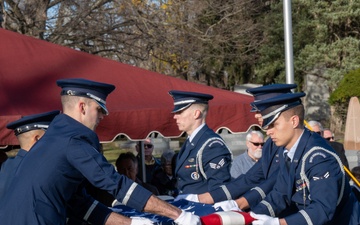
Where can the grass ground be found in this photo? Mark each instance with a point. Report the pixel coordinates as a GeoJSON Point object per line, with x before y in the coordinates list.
{"type": "Point", "coordinates": [111, 152]}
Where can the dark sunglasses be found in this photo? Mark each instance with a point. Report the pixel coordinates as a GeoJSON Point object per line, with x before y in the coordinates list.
{"type": "Point", "coordinates": [329, 138]}
{"type": "Point", "coordinates": [257, 143]}
{"type": "Point", "coordinates": [148, 145]}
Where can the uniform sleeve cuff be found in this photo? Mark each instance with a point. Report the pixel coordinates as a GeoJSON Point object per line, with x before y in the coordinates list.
{"type": "Point", "coordinates": [99, 214]}
{"type": "Point", "coordinates": [219, 194]}
{"type": "Point", "coordinates": [136, 202]}
{"type": "Point", "coordinates": [253, 198]}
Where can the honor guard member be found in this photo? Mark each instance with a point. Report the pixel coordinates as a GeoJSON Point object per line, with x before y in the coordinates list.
{"type": "Point", "coordinates": [311, 181]}
{"type": "Point", "coordinates": [250, 188]}
{"type": "Point", "coordinates": [67, 154]}
{"type": "Point", "coordinates": [204, 160]}
{"type": "Point", "coordinates": [28, 130]}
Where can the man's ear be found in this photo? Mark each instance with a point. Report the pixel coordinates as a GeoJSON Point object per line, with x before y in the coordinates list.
{"type": "Point", "coordinates": [81, 107]}
{"type": "Point", "coordinates": [197, 114]}
{"type": "Point", "coordinates": [36, 138]}
{"type": "Point", "coordinates": [295, 121]}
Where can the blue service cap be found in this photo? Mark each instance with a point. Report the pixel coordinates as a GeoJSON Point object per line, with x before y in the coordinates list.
{"type": "Point", "coordinates": [183, 99]}
{"type": "Point", "coordinates": [87, 88]}
{"type": "Point", "coordinates": [269, 91]}
{"type": "Point", "coordinates": [271, 108]}
{"type": "Point", "coordinates": [33, 122]}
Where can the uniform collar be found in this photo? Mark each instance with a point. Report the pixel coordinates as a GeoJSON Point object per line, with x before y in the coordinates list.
{"type": "Point", "coordinates": [193, 134]}
{"type": "Point", "coordinates": [292, 150]}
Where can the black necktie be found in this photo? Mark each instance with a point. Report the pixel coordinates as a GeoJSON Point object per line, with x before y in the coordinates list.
{"type": "Point", "coordinates": [187, 144]}
{"type": "Point", "coordinates": [287, 159]}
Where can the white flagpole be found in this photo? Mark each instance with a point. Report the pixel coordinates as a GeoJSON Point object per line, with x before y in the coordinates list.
{"type": "Point", "coordinates": [289, 62]}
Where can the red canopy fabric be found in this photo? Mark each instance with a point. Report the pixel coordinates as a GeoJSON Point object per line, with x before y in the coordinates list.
{"type": "Point", "coordinates": [139, 105]}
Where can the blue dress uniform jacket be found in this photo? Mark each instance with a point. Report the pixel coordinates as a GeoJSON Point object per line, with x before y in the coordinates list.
{"type": "Point", "coordinates": [257, 182]}
{"type": "Point", "coordinates": [81, 205]}
{"type": "Point", "coordinates": [54, 170]}
{"type": "Point", "coordinates": [315, 186]}
{"type": "Point", "coordinates": [8, 169]}
{"type": "Point", "coordinates": [214, 161]}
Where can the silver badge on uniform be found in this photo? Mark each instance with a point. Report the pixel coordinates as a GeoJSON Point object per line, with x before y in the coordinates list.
{"type": "Point", "coordinates": [217, 165]}
{"type": "Point", "coordinates": [191, 160]}
{"type": "Point", "coordinates": [195, 175]}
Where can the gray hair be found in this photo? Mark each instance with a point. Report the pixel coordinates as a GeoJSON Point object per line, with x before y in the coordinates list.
{"type": "Point", "coordinates": [251, 133]}
{"type": "Point", "coordinates": [313, 123]}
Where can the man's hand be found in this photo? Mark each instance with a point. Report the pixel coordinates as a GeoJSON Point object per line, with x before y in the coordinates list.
{"type": "Point", "coordinates": [140, 221]}
{"type": "Point", "coordinates": [187, 218]}
{"type": "Point", "coordinates": [262, 219]}
{"type": "Point", "coordinates": [206, 198]}
{"type": "Point", "coordinates": [189, 197]}
{"type": "Point", "coordinates": [242, 203]}
{"type": "Point", "coordinates": [228, 205]}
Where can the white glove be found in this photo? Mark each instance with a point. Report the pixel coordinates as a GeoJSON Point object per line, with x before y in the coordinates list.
{"type": "Point", "coordinates": [262, 219]}
{"type": "Point", "coordinates": [189, 197]}
{"type": "Point", "coordinates": [187, 218]}
{"type": "Point", "coordinates": [140, 221]}
{"type": "Point", "coordinates": [227, 205]}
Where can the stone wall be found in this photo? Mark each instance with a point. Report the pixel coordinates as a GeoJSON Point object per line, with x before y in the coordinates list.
{"type": "Point", "coordinates": [317, 106]}
{"type": "Point", "coordinates": [316, 99]}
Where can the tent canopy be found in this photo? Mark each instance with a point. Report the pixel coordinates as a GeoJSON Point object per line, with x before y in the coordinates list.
{"type": "Point", "coordinates": [138, 106]}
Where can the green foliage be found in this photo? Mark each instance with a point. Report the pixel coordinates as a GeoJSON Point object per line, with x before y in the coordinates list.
{"type": "Point", "coordinates": [348, 87]}
{"type": "Point", "coordinates": [325, 36]}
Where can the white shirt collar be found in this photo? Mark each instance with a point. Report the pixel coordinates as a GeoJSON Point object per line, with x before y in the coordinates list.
{"type": "Point", "coordinates": [193, 134]}
{"type": "Point", "coordinates": [292, 150]}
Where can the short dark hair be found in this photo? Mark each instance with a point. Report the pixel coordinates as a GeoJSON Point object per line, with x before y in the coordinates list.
{"type": "Point", "coordinates": [124, 156]}
{"type": "Point", "coordinates": [296, 111]}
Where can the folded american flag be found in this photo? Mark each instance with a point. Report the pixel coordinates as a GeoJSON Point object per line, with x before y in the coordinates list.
{"type": "Point", "coordinates": [208, 214]}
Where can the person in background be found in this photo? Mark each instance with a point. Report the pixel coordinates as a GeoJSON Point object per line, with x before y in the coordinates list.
{"type": "Point", "coordinates": [356, 189]}
{"type": "Point", "coordinates": [151, 163]}
{"type": "Point", "coordinates": [328, 135]}
{"type": "Point", "coordinates": [337, 146]}
{"type": "Point", "coordinates": [127, 164]}
{"type": "Point", "coordinates": [243, 162]}
{"type": "Point", "coordinates": [68, 153]}
{"type": "Point", "coordinates": [311, 181]}
{"type": "Point", "coordinates": [315, 126]}
{"type": "Point", "coordinates": [163, 178]}
{"type": "Point", "coordinates": [204, 160]}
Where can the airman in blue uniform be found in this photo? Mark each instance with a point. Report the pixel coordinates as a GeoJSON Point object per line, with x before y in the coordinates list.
{"type": "Point", "coordinates": [250, 188]}
{"type": "Point", "coordinates": [312, 185]}
{"type": "Point", "coordinates": [57, 165]}
{"type": "Point", "coordinates": [28, 130]}
{"type": "Point", "coordinates": [253, 186]}
{"type": "Point", "coordinates": [204, 160]}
